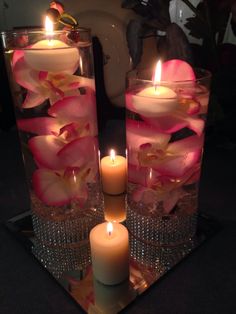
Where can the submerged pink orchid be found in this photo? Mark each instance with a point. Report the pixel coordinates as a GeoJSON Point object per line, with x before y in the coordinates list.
{"type": "Point", "coordinates": [60, 188]}
{"type": "Point", "coordinates": [43, 85]}
{"type": "Point", "coordinates": [70, 118]}
{"type": "Point", "coordinates": [168, 158]}
{"type": "Point", "coordinates": [154, 187]}
{"type": "Point", "coordinates": [159, 167]}
{"type": "Point", "coordinates": [65, 148]}
{"type": "Point", "coordinates": [64, 169]}
{"type": "Point", "coordinates": [54, 153]}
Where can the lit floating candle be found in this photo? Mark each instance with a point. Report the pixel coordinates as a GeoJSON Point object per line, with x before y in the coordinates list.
{"type": "Point", "coordinates": [155, 100]}
{"type": "Point", "coordinates": [114, 173]}
{"type": "Point", "coordinates": [109, 244]}
{"type": "Point", "coordinates": [50, 54]}
{"type": "Point", "coordinates": [114, 207]}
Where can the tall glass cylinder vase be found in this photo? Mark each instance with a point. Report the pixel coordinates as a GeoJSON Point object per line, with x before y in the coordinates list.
{"type": "Point", "coordinates": [53, 88]}
{"type": "Point", "coordinates": [165, 134]}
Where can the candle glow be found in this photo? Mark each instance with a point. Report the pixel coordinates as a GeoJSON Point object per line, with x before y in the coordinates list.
{"type": "Point", "coordinates": [109, 228]}
{"type": "Point", "coordinates": [112, 155]}
{"type": "Point", "coordinates": [48, 26]}
{"type": "Point", "coordinates": [157, 73]}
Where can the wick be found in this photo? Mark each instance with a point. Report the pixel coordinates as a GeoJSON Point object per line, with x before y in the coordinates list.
{"type": "Point", "coordinates": [112, 156]}
{"type": "Point", "coordinates": [50, 43]}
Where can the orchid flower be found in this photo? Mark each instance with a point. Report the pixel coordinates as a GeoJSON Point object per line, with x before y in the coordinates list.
{"type": "Point", "coordinates": [154, 187]}
{"type": "Point", "coordinates": [169, 158]}
{"type": "Point", "coordinates": [54, 153]}
{"type": "Point", "coordinates": [60, 188]}
{"type": "Point", "coordinates": [64, 169]}
{"type": "Point", "coordinates": [43, 85]}
{"type": "Point", "coordinates": [70, 118]}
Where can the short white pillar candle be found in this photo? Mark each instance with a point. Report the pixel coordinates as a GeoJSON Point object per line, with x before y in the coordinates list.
{"type": "Point", "coordinates": [109, 244]}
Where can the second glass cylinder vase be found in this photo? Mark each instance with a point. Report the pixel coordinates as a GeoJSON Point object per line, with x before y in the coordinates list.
{"type": "Point", "coordinates": [165, 134]}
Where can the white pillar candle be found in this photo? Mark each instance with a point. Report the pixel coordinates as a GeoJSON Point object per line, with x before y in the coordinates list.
{"type": "Point", "coordinates": [114, 174]}
{"type": "Point", "coordinates": [50, 54]}
{"type": "Point", "coordinates": [155, 100]}
{"type": "Point", "coordinates": [110, 253]}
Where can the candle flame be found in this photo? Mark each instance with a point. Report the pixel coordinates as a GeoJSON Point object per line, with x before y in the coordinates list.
{"type": "Point", "coordinates": [113, 155]}
{"type": "Point", "coordinates": [48, 26]}
{"type": "Point", "coordinates": [109, 228]}
{"type": "Point", "coordinates": [157, 73]}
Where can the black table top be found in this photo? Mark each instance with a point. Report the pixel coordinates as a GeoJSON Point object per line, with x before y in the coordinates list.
{"type": "Point", "coordinates": [203, 283]}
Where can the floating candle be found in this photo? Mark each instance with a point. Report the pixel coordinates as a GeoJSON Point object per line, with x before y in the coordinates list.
{"type": "Point", "coordinates": [155, 100]}
{"type": "Point", "coordinates": [114, 173]}
{"type": "Point", "coordinates": [109, 244]}
{"type": "Point", "coordinates": [50, 54]}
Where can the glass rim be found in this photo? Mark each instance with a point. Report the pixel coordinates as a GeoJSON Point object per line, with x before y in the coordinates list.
{"type": "Point", "coordinates": [207, 75]}
{"type": "Point", "coordinates": [25, 31]}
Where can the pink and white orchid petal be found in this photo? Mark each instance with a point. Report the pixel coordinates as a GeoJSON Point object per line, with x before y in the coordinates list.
{"type": "Point", "coordinates": [67, 82]}
{"type": "Point", "coordinates": [167, 124]}
{"type": "Point", "coordinates": [40, 126]}
{"type": "Point", "coordinates": [85, 82]}
{"type": "Point", "coordinates": [193, 175]}
{"type": "Point", "coordinates": [176, 121]}
{"type": "Point", "coordinates": [79, 152]}
{"type": "Point", "coordinates": [188, 144]}
{"type": "Point", "coordinates": [177, 70]}
{"type": "Point", "coordinates": [181, 156]}
{"type": "Point", "coordinates": [70, 108]}
{"type": "Point", "coordinates": [51, 188]}
{"type": "Point", "coordinates": [33, 99]}
{"type": "Point", "coordinates": [171, 200]}
{"type": "Point", "coordinates": [25, 76]}
{"type": "Point", "coordinates": [45, 148]}
{"type": "Point", "coordinates": [195, 124]}
{"type": "Point", "coordinates": [139, 133]}
{"type": "Point", "coordinates": [17, 55]}
{"type": "Point", "coordinates": [76, 179]}
{"type": "Point", "coordinates": [74, 108]}
{"type": "Point", "coordinates": [74, 130]}
{"type": "Point", "coordinates": [142, 175]}
{"type": "Point", "coordinates": [177, 166]}
{"type": "Point", "coordinates": [129, 102]}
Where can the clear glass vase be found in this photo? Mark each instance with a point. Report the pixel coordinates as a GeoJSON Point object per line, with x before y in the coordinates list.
{"type": "Point", "coordinates": [53, 88]}
{"type": "Point", "coordinates": [165, 137]}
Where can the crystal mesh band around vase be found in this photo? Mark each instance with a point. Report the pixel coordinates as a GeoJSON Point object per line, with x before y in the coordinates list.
{"type": "Point", "coordinates": [61, 259]}
{"type": "Point", "coordinates": [160, 258]}
{"type": "Point", "coordinates": [161, 230]}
